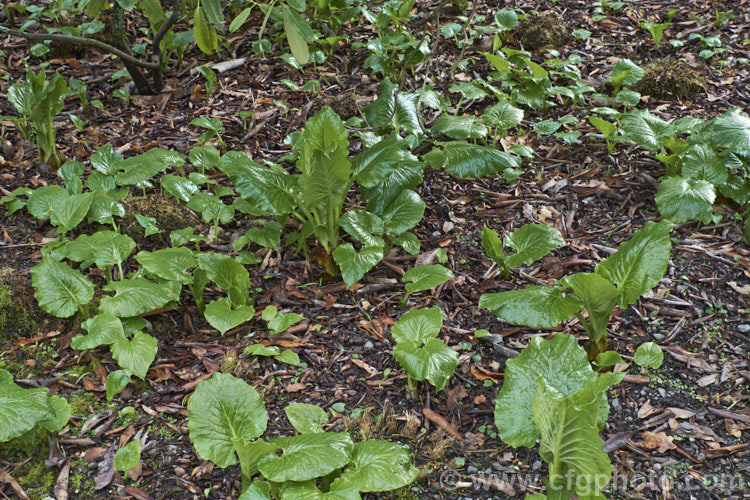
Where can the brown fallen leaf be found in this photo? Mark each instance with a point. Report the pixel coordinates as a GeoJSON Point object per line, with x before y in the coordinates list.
{"type": "Point", "coordinates": [659, 441]}
{"type": "Point", "coordinates": [494, 482]}
{"type": "Point", "coordinates": [61, 485]}
{"type": "Point", "coordinates": [296, 387]}
{"type": "Point", "coordinates": [136, 493]}
{"type": "Point", "coordinates": [436, 418]}
{"type": "Point", "coordinates": [646, 410]}
{"type": "Point", "coordinates": [6, 478]}
{"type": "Point", "coordinates": [371, 371]}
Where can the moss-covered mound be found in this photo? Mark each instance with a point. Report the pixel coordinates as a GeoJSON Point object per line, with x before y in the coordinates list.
{"type": "Point", "coordinates": [669, 79]}
{"type": "Point", "coordinates": [539, 32]}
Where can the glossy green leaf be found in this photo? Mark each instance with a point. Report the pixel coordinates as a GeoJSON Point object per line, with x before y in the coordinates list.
{"type": "Point", "coordinates": [363, 226]}
{"type": "Point", "coordinates": [639, 263]}
{"type": "Point", "coordinates": [306, 418]}
{"type": "Point", "coordinates": [701, 161]}
{"type": "Point", "coordinates": [408, 241]}
{"type": "Point", "coordinates": [645, 129]}
{"type": "Point", "coordinates": [460, 127]}
{"type": "Point", "coordinates": [607, 128]}
{"type": "Point", "coordinates": [224, 414]}
{"type": "Point", "coordinates": [307, 490]}
{"type": "Point", "coordinates": [354, 264]}
{"type": "Point", "coordinates": [58, 416]}
{"type": "Point", "coordinates": [570, 442]}
{"type": "Point", "coordinates": [116, 382]}
{"type": "Point", "coordinates": [103, 329]}
{"type": "Point", "coordinates": [418, 326]}
{"type": "Point", "coordinates": [258, 490]}
{"type": "Point", "coordinates": [306, 456]}
{"type": "Point", "coordinates": [599, 297]}
{"type": "Point", "coordinates": [60, 290]}
{"type": "Point", "coordinates": [560, 361]}
{"type": "Point", "coordinates": [289, 357]}
{"type": "Point", "coordinates": [404, 212]}
{"type": "Point", "coordinates": [380, 197]}
{"type": "Point", "coordinates": [434, 362]}
{"type": "Point", "coordinates": [21, 409]}
{"type": "Point", "coordinates": [377, 466]}
{"type": "Point", "coordinates": [535, 306]}
{"type": "Point", "coordinates": [106, 160]}
{"type": "Point", "coordinates": [503, 115]}
{"type": "Point", "coordinates": [267, 191]}
{"type": "Point", "coordinates": [681, 200]}
{"type": "Point", "coordinates": [278, 322]}
{"type": "Point", "coordinates": [204, 33]}
{"type": "Point", "coordinates": [136, 354]}
{"type": "Point", "coordinates": [266, 236]}
{"type": "Point", "coordinates": [732, 130]}
{"type": "Point", "coordinates": [626, 72]}
{"type": "Point", "coordinates": [169, 263]}
{"type": "Point", "coordinates": [137, 296]}
{"type": "Point", "coordinates": [425, 277]}
{"type": "Point", "coordinates": [394, 108]}
{"type": "Point", "coordinates": [467, 160]}
{"type": "Point", "coordinates": [228, 274]}
{"type": "Point", "coordinates": [649, 354]}
{"type": "Point", "coordinates": [68, 212]}
{"type": "Point", "coordinates": [297, 43]}
{"type": "Point", "coordinates": [261, 350]}
{"type": "Point", "coordinates": [220, 314]}
{"type": "Point", "coordinates": [140, 168]}
{"type": "Point", "coordinates": [493, 245]}
{"type": "Point", "coordinates": [375, 163]}
{"type": "Point", "coordinates": [179, 187]}
{"type": "Point", "coordinates": [532, 242]}
{"type": "Point", "coordinates": [104, 209]}
{"type": "Point", "coordinates": [110, 248]}
{"type": "Point", "coordinates": [128, 456]}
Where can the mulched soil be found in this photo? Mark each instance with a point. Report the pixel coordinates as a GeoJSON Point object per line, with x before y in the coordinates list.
{"type": "Point", "coordinates": [695, 406]}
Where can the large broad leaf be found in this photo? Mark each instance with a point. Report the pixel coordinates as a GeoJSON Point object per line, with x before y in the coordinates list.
{"type": "Point", "coordinates": [220, 315]}
{"type": "Point", "coordinates": [136, 354]}
{"type": "Point", "coordinates": [532, 242]}
{"type": "Point", "coordinates": [228, 274]}
{"type": "Point", "coordinates": [377, 466]}
{"type": "Point", "coordinates": [110, 248]}
{"type": "Point", "coordinates": [418, 325]}
{"type": "Point", "coordinates": [701, 161]}
{"type": "Point", "coordinates": [266, 191]}
{"type": "Point", "coordinates": [737, 188]}
{"type": "Point", "coordinates": [434, 362]}
{"type": "Point", "coordinates": [179, 187]}
{"type": "Point", "coordinates": [21, 409]}
{"type": "Point", "coordinates": [306, 456]}
{"type": "Point", "coordinates": [324, 133]}
{"type": "Point", "coordinates": [535, 306]}
{"type": "Point", "coordinates": [128, 456]}
{"type": "Point", "coordinates": [68, 212]}
{"type": "Point", "coordinates": [42, 200]}
{"type": "Point", "coordinates": [647, 130]}
{"type": "Point", "coordinates": [625, 72]}
{"type": "Point", "coordinates": [732, 130]}
{"type": "Point", "coordinates": [58, 416]}
{"type": "Point", "coordinates": [106, 160]}
{"type": "Point", "coordinates": [258, 490]}
{"type": "Point", "coordinates": [140, 168]}
{"type": "Point", "coordinates": [460, 127]}
{"type": "Point", "coordinates": [103, 209]}
{"type": "Point", "coordinates": [381, 197]}
{"type": "Point", "coordinates": [266, 236]}
{"type": "Point", "coordinates": [560, 361]}
{"type": "Point", "coordinates": [326, 183]}
{"type": "Point", "coordinates": [466, 160]}
{"type": "Point", "coordinates": [204, 157]}
{"type": "Point", "coordinates": [306, 418]}
{"type": "Point", "coordinates": [355, 264]}
{"type": "Point", "coordinates": [224, 413]}
{"type": "Point", "coordinates": [363, 226]}
{"type": "Point", "coordinates": [394, 108]}
{"type": "Point", "coordinates": [404, 212]}
{"type": "Point", "coordinates": [681, 200]}
{"type": "Point", "coordinates": [571, 442]}
{"type": "Point", "coordinates": [103, 329]}
{"type": "Point", "coordinates": [297, 43]}
{"type": "Point", "coordinates": [169, 263]}
{"type": "Point", "coordinates": [375, 163]}
{"type": "Point", "coordinates": [639, 263]}
{"type": "Point", "coordinates": [599, 297]}
{"type": "Point", "coordinates": [204, 33]}
{"type": "Point", "coordinates": [59, 289]}
{"type": "Point", "coordinates": [137, 296]}
{"type": "Point", "coordinates": [503, 115]}
{"type": "Point", "coordinates": [425, 277]}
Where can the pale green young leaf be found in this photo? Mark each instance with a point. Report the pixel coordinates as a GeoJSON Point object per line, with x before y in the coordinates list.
{"type": "Point", "coordinates": [136, 354]}
{"type": "Point", "coordinates": [128, 456]}
{"type": "Point", "coordinates": [377, 466]}
{"type": "Point", "coordinates": [425, 277]}
{"type": "Point", "coordinates": [205, 34]}
{"type": "Point", "coordinates": [297, 43]}
{"type": "Point", "coordinates": [169, 263]}
{"type": "Point", "coordinates": [629, 72]}
{"type": "Point", "coordinates": [418, 326]}
{"type": "Point", "coordinates": [534, 306]}
{"type": "Point", "coordinates": [103, 329]}
{"type": "Point", "coordinates": [289, 357]}
{"type": "Point", "coordinates": [532, 242]}
{"type": "Point", "coordinates": [434, 362]}
{"type": "Point", "coordinates": [228, 274]}
{"type": "Point", "coordinates": [404, 212]}
{"type": "Point", "coordinates": [354, 264]}
{"type": "Point", "coordinates": [116, 382]}
{"type": "Point", "coordinates": [306, 418]}
{"type": "Point", "coordinates": [599, 297]}
{"type": "Point", "coordinates": [467, 160]}
{"type": "Point", "coordinates": [306, 456]}
{"type": "Point", "coordinates": [493, 245]}
{"type": "Point", "coordinates": [220, 314]}
{"type": "Point", "coordinates": [60, 290]}
{"type": "Point", "coordinates": [223, 412]}
{"type": "Point", "coordinates": [137, 296]}
{"type": "Point", "coordinates": [58, 415]}
{"type": "Point", "coordinates": [649, 354]}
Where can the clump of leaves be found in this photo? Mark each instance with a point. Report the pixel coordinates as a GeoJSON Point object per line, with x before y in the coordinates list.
{"type": "Point", "coordinates": [551, 393]}
{"type": "Point", "coordinates": [620, 279]}
{"type": "Point", "coordinates": [419, 351]}
{"type": "Point", "coordinates": [669, 79]}
{"type": "Point", "coordinates": [541, 31]}
{"type": "Point", "coordinates": [226, 415]}
{"type": "Point", "coordinates": [531, 242]}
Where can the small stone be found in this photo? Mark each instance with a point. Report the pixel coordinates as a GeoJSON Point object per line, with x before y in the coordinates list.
{"type": "Point", "coordinates": [488, 471]}
{"type": "Point", "coordinates": [536, 465]}
{"type": "Point", "coordinates": [658, 336]}
{"type": "Point", "coordinates": [662, 392]}
{"type": "Point", "coordinates": [179, 471]}
{"type": "Point", "coordinates": [681, 288]}
{"type": "Point", "coordinates": [357, 339]}
{"type": "Point", "coordinates": [615, 404]}
{"type": "Point", "coordinates": [471, 469]}
{"type": "Point", "coordinates": [743, 328]}
{"type": "Point", "coordinates": [368, 345]}
{"type": "Point", "coordinates": [415, 489]}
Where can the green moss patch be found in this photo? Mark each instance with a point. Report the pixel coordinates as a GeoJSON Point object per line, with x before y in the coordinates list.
{"type": "Point", "coordinates": [669, 79]}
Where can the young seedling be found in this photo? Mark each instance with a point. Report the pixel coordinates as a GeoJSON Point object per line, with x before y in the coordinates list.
{"type": "Point", "coordinates": [531, 242]}
{"type": "Point", "coordinates": [423, 278]}
{"type": "Point", "coordinates": [210, 76]}
{"type": "Point", "coordinates": [656, 30]}
{"type": "Point", "coordinates": [213, 128]}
